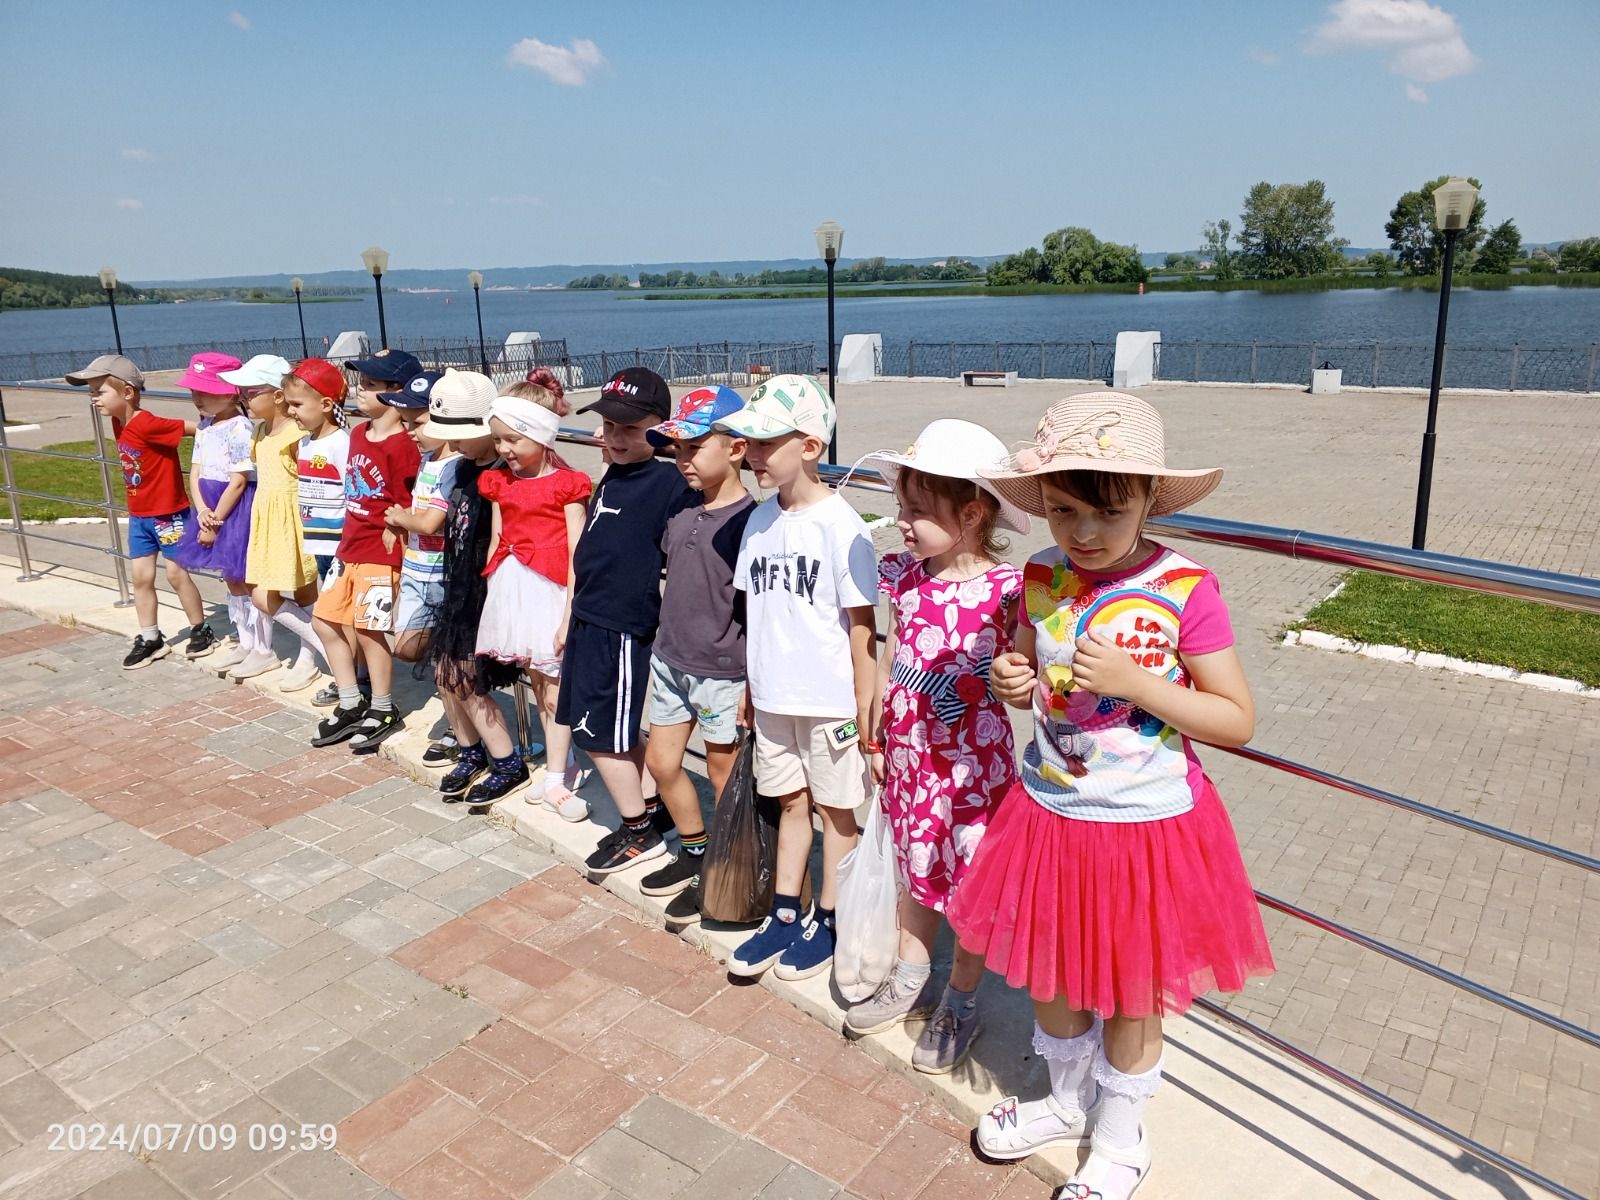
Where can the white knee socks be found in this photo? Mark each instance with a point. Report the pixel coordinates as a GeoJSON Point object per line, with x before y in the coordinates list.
{"type": "Point", "coordinates": [1123, 1099]}
{"type": "Point", "coordinates": [1071, 1062]}
{"type": "Point", "coordinates": [239, 612]}
{"type": "Point", "coordinates": [297, 621]}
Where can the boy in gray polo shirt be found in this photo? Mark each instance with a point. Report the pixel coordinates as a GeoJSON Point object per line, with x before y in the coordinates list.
{"type": "Point", "coordinates": [697, 670]}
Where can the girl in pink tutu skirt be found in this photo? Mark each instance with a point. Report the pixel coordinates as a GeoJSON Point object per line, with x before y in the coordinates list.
{"type": "Point", "coordinates": [1109, 883]}
{"type": "Point", "coordinates": [942, 749]}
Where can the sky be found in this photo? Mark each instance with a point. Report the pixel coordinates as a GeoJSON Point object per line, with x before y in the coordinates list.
{"type": "Point", "coordinates": [187, 139]}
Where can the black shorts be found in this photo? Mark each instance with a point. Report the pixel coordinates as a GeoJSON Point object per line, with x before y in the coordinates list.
{"type": "Point", "coordinates": [605, 680]}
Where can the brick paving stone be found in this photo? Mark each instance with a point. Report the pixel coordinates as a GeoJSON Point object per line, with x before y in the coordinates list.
{"type": "Point", "coordinates": [677, 1133]}
{"type": "Point", "coordinates": [633, 1168]}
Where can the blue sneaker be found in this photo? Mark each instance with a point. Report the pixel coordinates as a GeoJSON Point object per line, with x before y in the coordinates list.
{"type": "Point", "coordinates": [765, 946]}
{"type": "Point", "coordinates": [808, 954]}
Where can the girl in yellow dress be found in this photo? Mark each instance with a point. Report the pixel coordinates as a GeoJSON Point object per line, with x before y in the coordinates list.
{"type": "Point", "coordinates": [283, 577]}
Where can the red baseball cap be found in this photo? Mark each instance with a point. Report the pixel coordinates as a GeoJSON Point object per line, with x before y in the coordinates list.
{"type": "Point", "coordinates": [323, 376]}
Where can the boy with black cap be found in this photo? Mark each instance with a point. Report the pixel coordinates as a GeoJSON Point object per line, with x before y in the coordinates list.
{"type": "Point", "coordinates": [158, 506]}
{"type": "Point", "coordinates": [363, 588]}
{"type": "Point", "coordinates": [616, 605]}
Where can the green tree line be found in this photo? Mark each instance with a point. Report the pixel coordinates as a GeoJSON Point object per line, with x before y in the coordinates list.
{"type": "Point", "coordinates": [866, 270]}
{"type": "Point", "coordinates": [21, 288]}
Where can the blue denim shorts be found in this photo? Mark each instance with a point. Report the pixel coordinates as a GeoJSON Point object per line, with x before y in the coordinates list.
{"type": "Point", "coordinates": [156, 535]}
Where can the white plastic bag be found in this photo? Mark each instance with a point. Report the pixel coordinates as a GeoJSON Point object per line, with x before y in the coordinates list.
{"type": "Point", "coordinates": [867, 911]}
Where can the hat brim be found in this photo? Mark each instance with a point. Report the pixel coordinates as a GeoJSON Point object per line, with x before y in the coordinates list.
{"type": "Point", "coordinates": [403, 400]}
{"type": "Point", "coordinates": [1175, 490]}
{"type": "Point", "coordinates": [458, 429]}
{"type": "Point", "coordinates": [211, 385]}
{"type": "Point", "coordinates": [1012, 516]}
{"type": "Point", "coordinates": [614, 408]}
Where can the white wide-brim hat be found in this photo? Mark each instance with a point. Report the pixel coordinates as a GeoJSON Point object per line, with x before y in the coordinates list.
{"type": "Point", "coordinates": [956, 450]}
{"type": "Point", "coordinates": [1101, 431]}
{"type": "Point", "coordinates": [458, 406]}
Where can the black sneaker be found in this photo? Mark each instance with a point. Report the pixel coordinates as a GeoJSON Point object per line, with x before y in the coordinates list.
{"type": "Point", "coordinates": [144, 652]}
{"type": "Point", "coordinates": [328, 697]}
{"type": "Point", "coordinates": [683, 909]}
{"type": "Point", "coordinates": [202, 641]}
{"type": "Point", "coordinates": [445, 750]}
{"type": "Point", "coordinates": [338, 725]}
{"type": "Point", "coordinates": [375, 729]}
{"type": "Point", "coordinates": [672, 878]}
{"type": "Point", "coordinates": [472, 766]}
{"type": "Point", "coordinates": [501, 782]}
{"type": "Point", "coordinates": [660, 819]}
{"type": "Point", "coordinates": [624, 848]}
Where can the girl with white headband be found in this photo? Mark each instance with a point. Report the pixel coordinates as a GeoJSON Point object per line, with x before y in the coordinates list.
{"type": "Point", "coordinates": [538, 513]}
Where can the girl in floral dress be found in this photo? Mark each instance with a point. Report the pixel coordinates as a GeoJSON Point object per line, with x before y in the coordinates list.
{"type": "Point", "coordinates": [942, 747]}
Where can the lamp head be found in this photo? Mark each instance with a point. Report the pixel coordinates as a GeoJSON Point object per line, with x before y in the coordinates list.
{"type": "Point", "coordinates": [1453, 201]}
{"type": "Point", "coordinates": [376, 260]}
{"type": "Point", "coordinates": [830, 240]}
{"type": "Point", "coordinates": [108, 278]}
{"type": "Point", "coordinates": [475, 278]}
{"type": "Point", "coordinates": [297, 283]}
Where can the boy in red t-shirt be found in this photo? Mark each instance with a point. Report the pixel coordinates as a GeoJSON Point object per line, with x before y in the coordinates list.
{"type": "Point", "coordinates": [364, 584]}
{"type": "Point", "coordinates": [158, 506]}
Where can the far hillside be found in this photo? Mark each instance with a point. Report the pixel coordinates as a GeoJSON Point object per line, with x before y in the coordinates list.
{"type": "Point", "coordinates": [21, 288]}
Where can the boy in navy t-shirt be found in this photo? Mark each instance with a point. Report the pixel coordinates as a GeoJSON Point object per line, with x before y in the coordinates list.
{"type": "Point", "coordinates": [616, 605]}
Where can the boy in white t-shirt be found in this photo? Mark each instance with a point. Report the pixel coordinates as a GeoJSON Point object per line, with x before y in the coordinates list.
{"type": "Point", "coordinates": [810, 579]}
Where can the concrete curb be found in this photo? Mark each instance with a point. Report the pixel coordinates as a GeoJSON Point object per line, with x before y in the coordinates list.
{"type": "Point", "coordinates": [1317, 640]}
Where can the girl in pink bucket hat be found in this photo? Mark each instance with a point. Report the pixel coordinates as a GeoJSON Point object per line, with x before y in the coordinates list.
{"type": "Point", "coordinates": [1109, 883]}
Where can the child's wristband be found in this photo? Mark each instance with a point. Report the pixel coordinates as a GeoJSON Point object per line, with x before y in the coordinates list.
{"type": "Point", "coordinates": [872, 747]}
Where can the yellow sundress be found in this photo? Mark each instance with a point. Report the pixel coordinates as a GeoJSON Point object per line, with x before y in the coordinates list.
{"type": "Point", "coordinates": [277, 559]}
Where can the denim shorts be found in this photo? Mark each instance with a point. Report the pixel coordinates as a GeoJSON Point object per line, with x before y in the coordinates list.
{"type": "Point", "coordinates": [156, 535]}
{"type": "Point", "coordinates": [677, 697]}
{"type": "Point", "coordinates": [420, 600]}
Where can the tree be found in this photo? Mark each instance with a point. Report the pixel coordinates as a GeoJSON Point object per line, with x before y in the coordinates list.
{"type": "Point", "coordinates": [1502, 249]}
{"type": "Point", "coordinates": [1074, 255]}
{"type": "Point", "coordinates": [1214, 245]}
{"type": "Point", "coordinates": [1027, 266]}
{"type": "Point", "coordinates": [1581, 255]}
{"type": "Point", "coordinates": [1414, 236]}
{"type": "Point", "coordinates": [1379, 263]}
{"type": "Point", "coordinates": [1286, 230]}
{"type": "Point", "coordinates": [1182, 262]}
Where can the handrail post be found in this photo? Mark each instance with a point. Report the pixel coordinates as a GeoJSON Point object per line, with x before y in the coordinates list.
{"type": "Point", "coordinates": [28, 573]}
{"type": "Point", "coordinates": [526, 746]}
{"type": "Point", "coordinates": [1377, 356]}
{"type": "Point", "coordinates": [1516, 362]}
{"type": "Point", "coordinates": [1252, 361]}
{"type": "Point", "coordinates": [113, 526]}
{"type": "Point", "coordinates": [1588, 384]}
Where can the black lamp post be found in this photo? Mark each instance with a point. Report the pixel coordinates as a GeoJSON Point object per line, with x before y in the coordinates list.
{"type": "Point", "coordinates": [475, 278]}
{"type": "Point", "coordinates": [108, 280]}
{"type": "Point", "coordinates": [830, 240]}
{"type": "Point", "coordinates": [1453, 202]}
{"type": "Point", "coordinates": [297, 284]}
{"type": "Point", "coordinates": [377, 262]}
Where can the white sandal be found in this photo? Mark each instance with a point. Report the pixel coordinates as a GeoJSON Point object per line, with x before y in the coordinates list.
{"type": "Point", "coordinates": [1088, 1182]}
{"type": "Point", "coordinates": [1003, 1131]}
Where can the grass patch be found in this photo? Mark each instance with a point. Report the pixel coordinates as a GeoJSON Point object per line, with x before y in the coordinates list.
{"type": "Point", "coordinates": [63, 477]}
{"type": "Point", "coordinates": [1443, 620]}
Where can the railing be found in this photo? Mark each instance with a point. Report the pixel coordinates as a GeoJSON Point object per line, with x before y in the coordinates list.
{"type": "Point", "coordinates": [1545, 587]}
{"type": "Point", "coordinates": [1365, 364]}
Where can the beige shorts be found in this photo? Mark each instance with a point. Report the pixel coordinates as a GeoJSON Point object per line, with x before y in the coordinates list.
{"type": "Point", "coordinates": [793, 753]}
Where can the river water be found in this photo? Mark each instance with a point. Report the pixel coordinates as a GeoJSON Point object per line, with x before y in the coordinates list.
{"type": "Point", "coordinates": [1544, 316]}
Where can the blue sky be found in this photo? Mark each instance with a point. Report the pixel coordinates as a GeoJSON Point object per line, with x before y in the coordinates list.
{"type": "Point", "coordinates": [187, 139]}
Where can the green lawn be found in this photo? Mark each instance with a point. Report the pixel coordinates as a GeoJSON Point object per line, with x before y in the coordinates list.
{"type": "Point", "coordinates": [61, 477]}
{"type": "Point", "coordinates": [1489, 629]}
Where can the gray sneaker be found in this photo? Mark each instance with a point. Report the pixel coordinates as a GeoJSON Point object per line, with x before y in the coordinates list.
{"type": "Point", "coordinates": [945, 1041]}
{"type": "Point", "coordinates": [887, 1006]}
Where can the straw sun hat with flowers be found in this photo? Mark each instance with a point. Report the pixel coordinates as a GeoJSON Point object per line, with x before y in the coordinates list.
{"type": "Point", "coordinates": [1100, 431]}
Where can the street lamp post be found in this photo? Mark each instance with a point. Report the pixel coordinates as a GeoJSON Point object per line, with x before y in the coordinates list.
{"type": "Point", "coordinates": [830, 240]}
{"type": "Point", "coordinates": [377, 262]}
{"type": "Point", "coordinates": [108, 280]}
{"type": "Point", "coordinates": [1453, 202]}
{"type": "Point", "coordinates": [475, 278]}
{"type": "Point", "coordinates": [298, 284]}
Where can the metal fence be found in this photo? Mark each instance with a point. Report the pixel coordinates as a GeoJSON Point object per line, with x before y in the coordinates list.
{"type": "Point", "coordinates": [1365, 364]}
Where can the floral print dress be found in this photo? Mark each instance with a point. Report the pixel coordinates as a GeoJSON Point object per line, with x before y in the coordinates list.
{"type": "Point", "coordinates": [947, 740]}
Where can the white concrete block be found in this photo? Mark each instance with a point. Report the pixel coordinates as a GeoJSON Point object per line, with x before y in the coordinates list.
{"type": "Point", "coordinates": [1325, 382]}
{"type": "Point", "coordinates": [352, 343]}
{"type": "Point", "coordinates": [859, 357]}
{"type": "Point", "coordinates": [1135, 364]}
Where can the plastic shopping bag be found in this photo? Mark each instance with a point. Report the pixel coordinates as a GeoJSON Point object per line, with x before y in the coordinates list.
{"type": "Point", "coordinates": [868, 911]}
{"type": "Point", "coordinates": [737, 876]}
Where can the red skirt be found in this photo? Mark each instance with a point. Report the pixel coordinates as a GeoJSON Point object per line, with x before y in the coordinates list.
{"type": "Point", "coordinates": [1120, 918]}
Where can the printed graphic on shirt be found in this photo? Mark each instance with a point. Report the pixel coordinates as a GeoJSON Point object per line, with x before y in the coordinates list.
{"type": "Point", "coordinates": [600, 510]}
{"type": "Point", "coordinates": [132, 464]}
{"type": "Point", "coordinates": [363, 480]}
{"type": "Point", "coordinates": [793, 573]}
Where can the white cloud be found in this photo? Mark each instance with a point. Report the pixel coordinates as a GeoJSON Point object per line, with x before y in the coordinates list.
{"type": "Point", "coordinates": [1416, 94]}
{"type": "Point", "coordinates": [521, 200]}
{"type": "Point", "coordinates": [1267, 58]}
{"type": "Point", "coordinates": [125, 203]}
{"type": "Point", "coordinates": [239, 21]}
{"type": "Point", "coordinates": [1422, 41]}
{"type": "Point", "coordinates": [133, 154]}
{"type": "Point", "coordinates": [570, 65]}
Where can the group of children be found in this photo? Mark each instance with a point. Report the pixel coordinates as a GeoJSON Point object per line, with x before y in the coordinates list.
{"type": "Point", "coordinates": [1100, 873]}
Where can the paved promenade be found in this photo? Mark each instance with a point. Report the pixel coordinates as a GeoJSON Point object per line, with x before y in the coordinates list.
{"type": "Point", "coordinates": [1516, 480]}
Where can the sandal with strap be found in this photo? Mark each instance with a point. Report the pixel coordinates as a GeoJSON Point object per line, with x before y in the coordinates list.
{"type": "Point", "coordinates": [1008, 1130]}
{"type": "Point", "coordinates": [1092, 1180]}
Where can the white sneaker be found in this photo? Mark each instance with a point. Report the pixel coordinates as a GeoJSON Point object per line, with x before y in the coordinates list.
{"type": "Point", "coordinates": [565, 804]}
{"type": "Point", "coordinates": [297, 678]}
{"type": "Point", "coordinates": [258, 662]}
{"type": "Point", "coordinates": [230, 656]}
